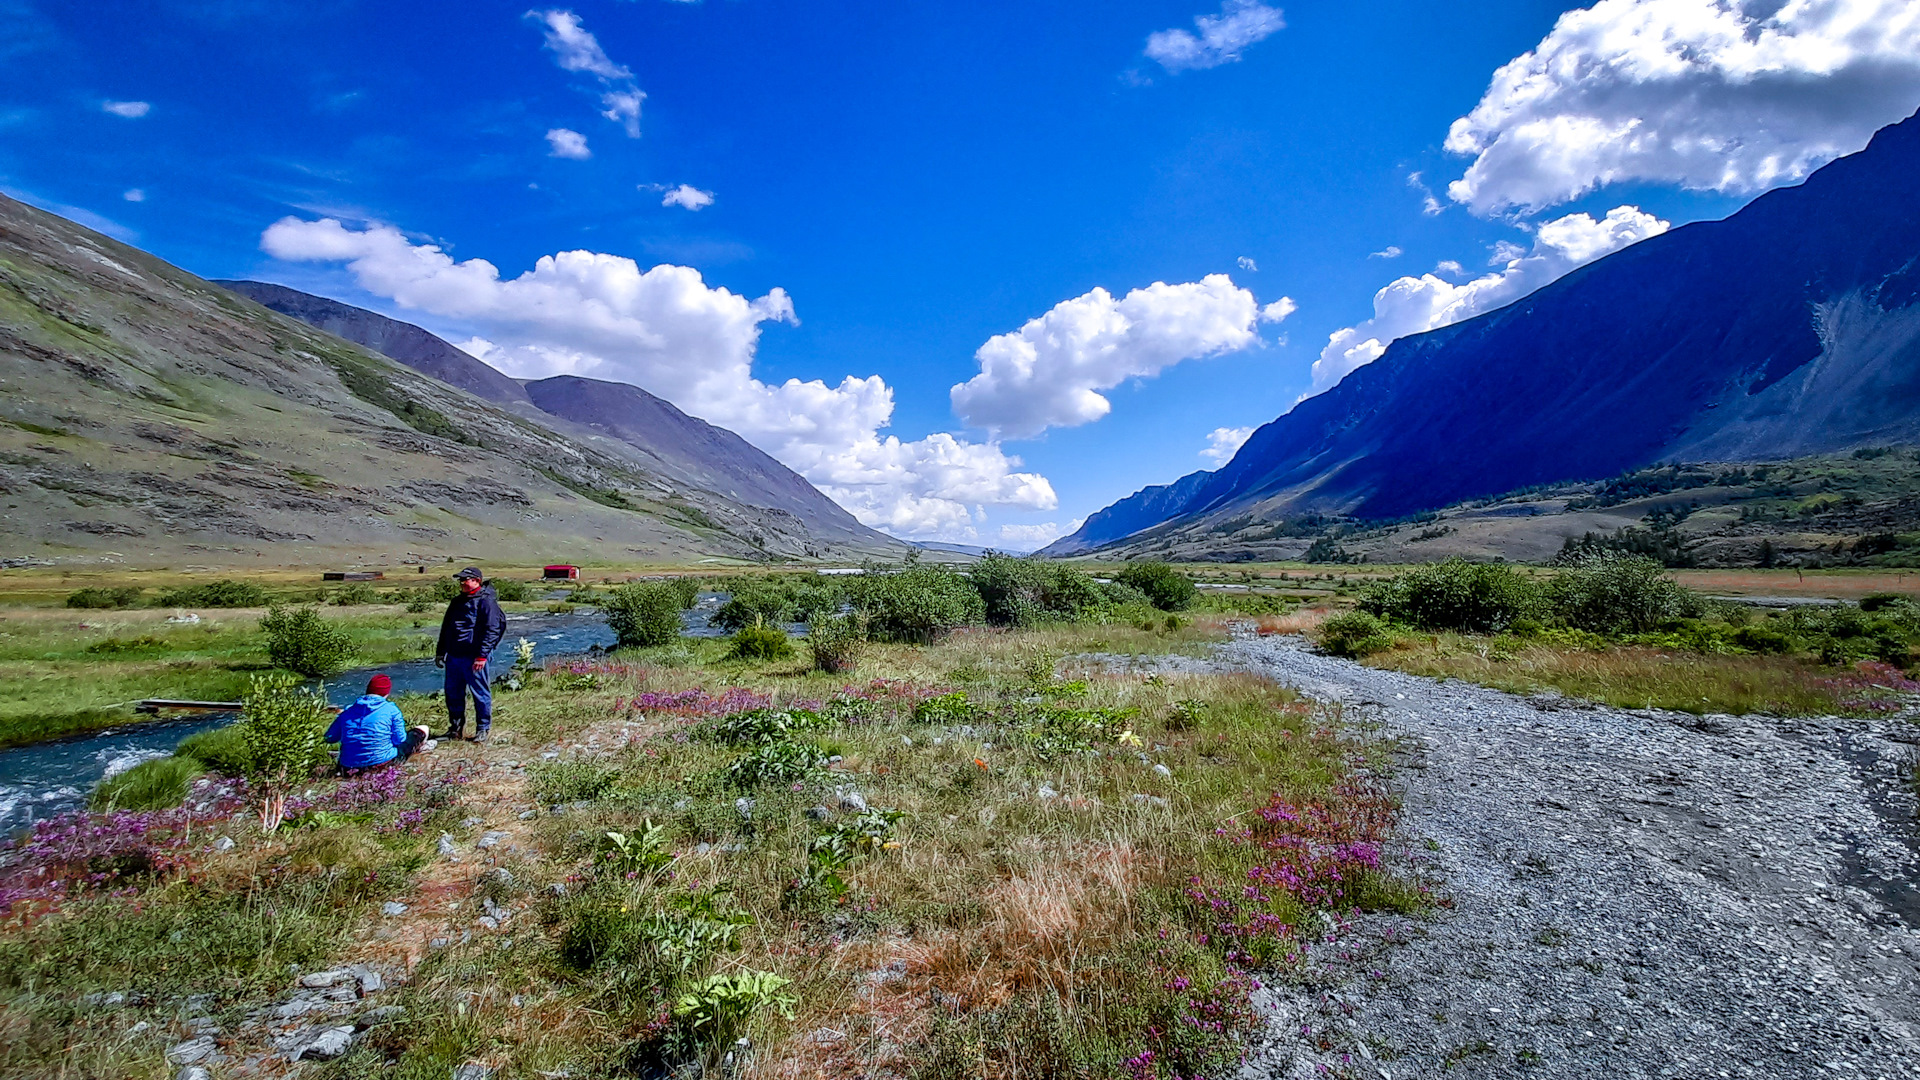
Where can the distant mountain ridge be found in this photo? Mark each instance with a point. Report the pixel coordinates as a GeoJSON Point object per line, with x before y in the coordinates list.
{"type": "Point", "coordinates": [1790, 328]}
{"type": "Point", "coordinates": [683, 447]}
{"type": "Point", "coordinates": [151, 418]}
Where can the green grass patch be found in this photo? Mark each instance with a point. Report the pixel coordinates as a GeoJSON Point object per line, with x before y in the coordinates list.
{"type": "Point", "coordinates": [150, 785]}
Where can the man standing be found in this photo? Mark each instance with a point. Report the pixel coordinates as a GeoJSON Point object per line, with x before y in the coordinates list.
{"type": "Point", "coordinates": [471, 628]}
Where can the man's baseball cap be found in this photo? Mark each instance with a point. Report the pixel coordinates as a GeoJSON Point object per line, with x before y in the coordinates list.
{"type": "Point", "coordinates": [470, 572]}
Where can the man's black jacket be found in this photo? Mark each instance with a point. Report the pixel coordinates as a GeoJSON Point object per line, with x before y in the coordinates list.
{"type": "Point", "coordinates": [472, 626]}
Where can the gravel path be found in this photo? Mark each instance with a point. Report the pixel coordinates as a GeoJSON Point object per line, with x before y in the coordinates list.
{"type": "Point", "coordinates": [1633, 894]}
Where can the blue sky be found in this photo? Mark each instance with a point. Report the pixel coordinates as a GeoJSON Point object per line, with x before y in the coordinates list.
{"type": "Point", "coordinates": [914, 180]}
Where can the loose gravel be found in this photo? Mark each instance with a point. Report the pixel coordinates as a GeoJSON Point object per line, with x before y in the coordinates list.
{"type": "Point", "coordinates": [1627, 893]}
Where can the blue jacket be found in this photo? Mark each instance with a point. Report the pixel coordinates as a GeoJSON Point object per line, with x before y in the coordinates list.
{"type": "Point", "coordinates": [472, 626]}
{"type": "Point", "coordinates": [368, 731]}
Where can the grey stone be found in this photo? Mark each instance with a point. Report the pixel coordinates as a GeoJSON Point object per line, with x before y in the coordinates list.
{"type": "Point", "coordinates": [193, 1072]}
{"type": "Point", "coordinates": [225, 843]}
{"type": "Point", "coordinates": [105, 1001]}
{"type": "Point", "coordinates": [379, 1014]}
{"type": "Point", "coordinates": [744, 807]}
{"type": "Point", "coordinates": [819, 813]}
{"type": "Point", "coordinates": [193, 1051]}
{"type": "Point", "coordinates": [529, 815]}
{"type": "Point", "coordinates": [447, 850]}
{"type": "Point", "coordinates": [472, 1070]}
{"type": "Point", "coordinates": [437, 943]}
{"type": "Point", "coordinates": [1163, 772]}
{"type": "Point", "coordinates": [851, 800]}
{"type": "Point", "coordinates": [393, 908]}
{"type": "Point", "coordinates": [320, 980]}
{"type": "Point", "coordinates": [1046, 793]}
{"type": "Point", "coordinates": [369, 980]}
{"type": "Point", "coordinates": [1154, 801]}
{"type": "Point", "coordinates": [318, 1043]}
{"type": "Point", "coordinates": [490, 840]}
{"type": "Point", "coordinates": [204, 1025]}
{"type": "Point", "coordinates": [468, 823]}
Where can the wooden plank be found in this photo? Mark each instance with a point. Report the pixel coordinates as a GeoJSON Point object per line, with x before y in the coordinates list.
{"type": "Point", "coordinates": [156, 704]}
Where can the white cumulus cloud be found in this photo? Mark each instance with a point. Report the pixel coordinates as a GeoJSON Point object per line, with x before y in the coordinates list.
{"type": "Point", "coordinates": [1413, 305]}
{"type": "Point", "coordinates": [666, 330]}
{"type": "Point", "coordinates": [1719, 95]}
{"type": "Point", "coordinates": [1049, 372]}
{"type": "Point", "coordinates": [688, 196]}
{"type": "Point", "coordinates": [1225, 442]}
{"type": "Point", "coordinates": [563, 143]}
{"type": "Point", "coordinates": [577, 50]}
{"type": "Point", "coordinates": [132, 110]}
{"type": "Point", "coordinates": [1221, 38]}
{"type": "Point", "coordinates": [1030, 537]}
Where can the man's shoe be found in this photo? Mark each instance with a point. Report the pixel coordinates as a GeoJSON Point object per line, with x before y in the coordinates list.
{"type": "Point", "coordinates": [479, 737]}
{"type": "Point", "coordinates": [452, 734]}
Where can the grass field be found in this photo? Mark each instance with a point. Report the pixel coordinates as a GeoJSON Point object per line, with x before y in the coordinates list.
{"type": "Point", "coordinates": [978, 858]}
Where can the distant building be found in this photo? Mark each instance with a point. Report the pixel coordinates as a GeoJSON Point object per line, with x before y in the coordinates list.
{"type": "Point", "coordinates": [561, 572]}
{"type": "Point", "coordinates": [351, 575]}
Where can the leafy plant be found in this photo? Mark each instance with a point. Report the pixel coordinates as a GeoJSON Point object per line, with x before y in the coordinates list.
{"type": "Point", "coordinates": [753, 606]}
{"type": "Point", "coordinates": [511, 590]}
{"type": "Point", "coordinates": [1163, 586]}
{"type": "Point", "coordinates": [759, 643]}
{"type": "Point", "coordinates": [223, 750]}
{"type": "Point", "coordinates": [635, 854]}
{"type": "Point", "coordinates": [104, 598]}
{"type": "Point", "coordinates": [836, 642]}
{"type": "Point", "coordinates": [643, 614]}
{"type": "Point", "coordinates": [784, 761]}
{"type": "Point", "coordinates": [283, 726]}
{"type": "Point", "coordinates": [1354, 634]}
{"type": "Point", "coordinates": [759, 727]}
{"type": "Point", "coordinates": [839, 848]}
{"type": "Point", "coordinates": [693, 930]}
{"type": "Point", "coordinates": [719, 1007]}
{"type": "Point", "coordinates": [354, 592]}
{"type": "Point", "coordinates": [953, 708]}
{"type": "Point", "coordinates": [299, 640]}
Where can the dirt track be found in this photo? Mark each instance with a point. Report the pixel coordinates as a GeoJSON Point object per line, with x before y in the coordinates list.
{"type": "Point", "coordinates": [1634, 894]}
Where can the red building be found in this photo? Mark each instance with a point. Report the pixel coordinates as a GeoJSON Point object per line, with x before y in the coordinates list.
{"type": "Point", "coordinates": [561, 572]}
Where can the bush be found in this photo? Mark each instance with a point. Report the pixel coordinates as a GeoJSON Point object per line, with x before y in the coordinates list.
{"type": "Point", "coordinates": [753, 605]}
{"type": "Point", "coordinates": [215, 594]}
{"type": "Point", "coordinates": [511, 590]}
{"type": "Point", "coordinates": [150, 785]}
{"type": "Point", "coordinates": [918, 605]}
{"type": "Point", "coordinates": [686, 590]}
{"type": "Point", "coordinates": [1163, 586]}
{"type": "Point", "coordinates": [1880, 601]}
{"type": "Point", "coordinates": [1354, 634]}
{"type": "Point", "coordinates": [1762, 639]}
{"type": "Point", "coordinates": [836, 642]}
{"type": "Point", "coordinates": [299, 640]}
{"type": "Point", "coordinates": [759, 643]}
{"type": "Point", "coordinates": [1021, 592]}
{"type": "Point", "coordinates": [643, 614]}
{"type": "Point", "coordinates": [222, 750]}
{"type": "Point", "coordinates": [1607, 593]}
{"type": "Point", "coordinates": [1479, 598]}
{"type": "Point", "coordinates": [355, 592]}
{"type": "Point", "coordinates": [103, 598]}
{"type": "Point", "coordinates": [284, 727]}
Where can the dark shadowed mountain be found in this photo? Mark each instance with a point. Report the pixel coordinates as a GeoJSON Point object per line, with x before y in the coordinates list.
{"type": "Point", "coordinates": [1790, 328]}
{"type": "Point", "coordinates": [152, 418]}
{"type": "Point", "coordinates": [685, 448]}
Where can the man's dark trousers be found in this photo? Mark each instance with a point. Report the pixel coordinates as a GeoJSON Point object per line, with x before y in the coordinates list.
{"type": "Point", "coordinates": [462, 679]}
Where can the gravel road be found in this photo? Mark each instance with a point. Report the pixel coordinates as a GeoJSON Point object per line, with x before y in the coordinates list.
{"type": "Point", "coordinates": [1633, 894]}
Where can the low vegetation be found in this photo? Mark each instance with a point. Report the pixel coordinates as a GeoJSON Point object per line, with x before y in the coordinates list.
{"type": "Point", "coordinates": [979, 856]}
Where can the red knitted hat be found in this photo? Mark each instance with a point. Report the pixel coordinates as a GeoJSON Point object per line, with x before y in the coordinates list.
{"type": "Point", "coordinates": [380, 685]}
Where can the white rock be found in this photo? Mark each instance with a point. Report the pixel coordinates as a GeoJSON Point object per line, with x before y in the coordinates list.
{"type": "Point", "coordinates": [193, 1072]}
{"type": "Point", "coordinates": [472, 1070]}
{"type": "Point", "coordinates": [1046, 793]}
{"type": "Point", "coordinates": [392, 908]}
{"type": "Point", "coordinates": [323, 1044]}
{"type": "Point", "coordinates": [447, 850]}
{"type": "Point", "coordinates": [320, 980]}
{"type": "Point", "coordinates": [225, 843]}
{"type": "Point", "coordinates": [1163, 771]}
{"type": "Point", "coordinates": [193, 1051]}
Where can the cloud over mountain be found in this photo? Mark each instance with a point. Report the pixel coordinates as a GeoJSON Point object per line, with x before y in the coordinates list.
{"type": "Point", "coordinates": [664, 329]}
{"type": "Point", "coordinates": [1049, 373]}
{"type": "Point", "coordinates": [1413, 305]}
{"type": "Point", "coordinates": [1723, 95]}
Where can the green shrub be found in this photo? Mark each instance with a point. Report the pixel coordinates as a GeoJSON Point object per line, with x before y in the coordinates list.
{"type": "Point", "coordinates": [759, 643]}
{"type": "Point", "coordinates": [1163, 586]}
{"type": "Point", "coordinates": [1872, 602]}
{"type": "Point", "coordinates": [511, 590]}
{"type": "Point", "coordinates": [1608, 593]}
{"type": "Point", "coordinates": [443, 590]}
{"type": "Point", "coordinates": [150, 785]}
{"type": "Point", "coordinates": [753, 605]}
{"type": "Point", "coordinates": [570, 781]}
{"type": "Point", "coordinates": [643, 614]}
{"type": "Point", "coordinates": [686, 590]}
{"type": "Point", "coordinates": [284, 726]}
{"type": "Point", "coordinates": [354, 592]}
{"type": "Point", "coordinates": [1478, 598]}
{"type": "Point", "coordinates": [779, 761]}
{"type": "Point", "coordinates": [836, 642]}
{"type": "Point", "coordinates": [215, 594]}
{"type": "Point", "coordinates": [222, 750]}
{"type": "Point", "coordinates": [1022, 592]}
{"type": "Point", "coordinates": [1760, 638]}
{"type": "Point", "coordinates": [918, 605]}
{"type": "Point", "coordinates": [103, 598]}
{"type": "Point", "coordinates": [719, 1007]}
{"type": "Point", "coordinates": [299, 640]}
{"type": "Point", "coordinates": [1354, 634]}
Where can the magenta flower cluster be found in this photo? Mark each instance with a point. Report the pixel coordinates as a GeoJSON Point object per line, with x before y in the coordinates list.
{"type": "Point", "coordinates": [86, 852]}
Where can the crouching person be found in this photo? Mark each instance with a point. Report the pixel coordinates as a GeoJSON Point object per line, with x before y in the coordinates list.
{"type": "Point", "coordinates": [372, 732]}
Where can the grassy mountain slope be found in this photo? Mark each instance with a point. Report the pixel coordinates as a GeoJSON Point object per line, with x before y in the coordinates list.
{"type": "Point", "coordinates": [147, 416]}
